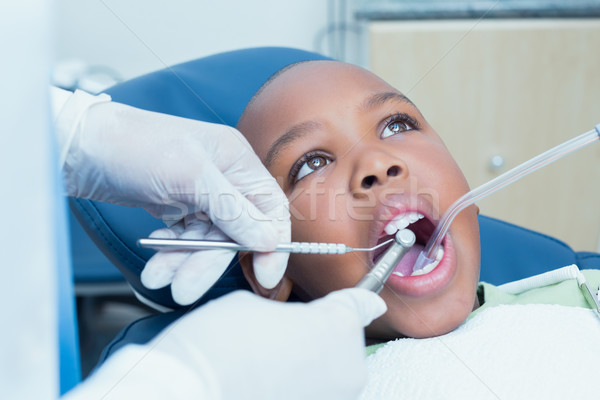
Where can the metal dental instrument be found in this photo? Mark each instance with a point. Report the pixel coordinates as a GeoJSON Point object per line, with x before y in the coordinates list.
{"type": "Point", "coordinates": [591, 297]}
{"type": "Point", "coordinates": [293, 247]}
{"type": "Point", "coordinates": [427, 256]}
{"type": "Point", "coordinates": [376, 278]}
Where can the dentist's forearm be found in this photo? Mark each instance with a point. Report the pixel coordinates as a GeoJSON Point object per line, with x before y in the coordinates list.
{"type": "Point", "coordinates": [144, 371]}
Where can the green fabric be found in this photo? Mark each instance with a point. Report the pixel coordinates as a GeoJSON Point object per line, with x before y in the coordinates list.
{"type": "Point", "coordinates": [566, 293]}
{"type": "Point", "coordinates": [373, 348]}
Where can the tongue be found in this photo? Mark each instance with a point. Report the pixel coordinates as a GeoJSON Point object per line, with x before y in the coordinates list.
{"type": "Point", "coordinates": [405, 267]}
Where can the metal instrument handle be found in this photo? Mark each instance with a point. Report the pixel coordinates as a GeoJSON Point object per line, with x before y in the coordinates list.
{"type": "Point", "coordinates": [376, 278]}
{"type": "Point", "coordinates": [293, 247]}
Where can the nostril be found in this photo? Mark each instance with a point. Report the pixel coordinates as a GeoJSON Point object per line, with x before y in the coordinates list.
{"type": "Point", "coordinates": [368, 181]}
{"type": "Point", "coordinates": [393, 171]}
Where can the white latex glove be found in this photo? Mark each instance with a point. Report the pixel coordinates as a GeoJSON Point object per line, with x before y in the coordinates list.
{"type": "Point", "coordinates": [203, 178]}
{"type": "Point", "coordinates": [242, 346]}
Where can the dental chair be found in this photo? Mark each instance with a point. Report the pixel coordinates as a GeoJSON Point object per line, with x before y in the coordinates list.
{"type": "Point", "coordinates": [216, 89]}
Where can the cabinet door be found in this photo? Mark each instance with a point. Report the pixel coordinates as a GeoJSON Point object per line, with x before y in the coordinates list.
{"type": "Point", "coordinates": [500, 92]}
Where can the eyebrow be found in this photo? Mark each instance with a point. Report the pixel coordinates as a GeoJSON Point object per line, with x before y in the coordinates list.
{"type": "Point", "coordinates": [381, 98]}
{"type": "Point", "coordinates": [295, 132]}
{"type": "Point", "coordinates": [303, 128]}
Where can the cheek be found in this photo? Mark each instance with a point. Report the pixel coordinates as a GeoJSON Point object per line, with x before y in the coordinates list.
{"type": "Point", "coordinates": [455, 181]}
{"type": "Point", "coordinates": [437, 176]}
{"type": "Point", "coordinates": [464, 229]}
{"type": "Point", "coordinates": [316, 275]}
{"type": "Point", "coordinates": [319, 214]}
{"type": "Point", "coordinates": [308, 203]}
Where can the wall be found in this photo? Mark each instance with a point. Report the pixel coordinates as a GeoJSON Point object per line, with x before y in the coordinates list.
{"type": "Point", "coordinates": [137, 36]}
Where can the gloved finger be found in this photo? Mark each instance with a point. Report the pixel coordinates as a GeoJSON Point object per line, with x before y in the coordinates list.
{"type": "Point", "coordinates": [365, 304]}
{"type": "Point", "coordinates": [198, 273]}
{"type": "Point", "coordinates": [164, 233]}
{"type": "Point", "coordinates": [265, 193]}
{"type": "Point", "coordinates": [172, 232]}
{"type": "Point", "coordinates": [268, 197]}
{"type": "Point", "coordinates": [160, 269]}
{"type": "Point", "coordinates": [252, 179]}
{"type": "Point", "coordinates": [235, 215]}
{"type": "Point", "coordinates": [245, 171]}
{"type": "Point", "coordinates": [269, 268]}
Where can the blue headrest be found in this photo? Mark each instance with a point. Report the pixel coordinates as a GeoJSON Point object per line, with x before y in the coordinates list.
{"type": "Point", "coordinates": [212, 89]}
{"type": "Point", "coordinates": [510, 252]}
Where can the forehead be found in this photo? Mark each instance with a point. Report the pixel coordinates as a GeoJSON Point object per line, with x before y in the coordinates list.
{"type": "Point", "coordinates": [307, 91]}
{"type": "Point", "coordinates": [309, 79]}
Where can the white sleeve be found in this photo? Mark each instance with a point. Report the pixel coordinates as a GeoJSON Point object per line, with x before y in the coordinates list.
{"type": "Point", "coordinates": [142, 371]}
{"type": "Point", "coordinates": [68, 109]}
{"type": "Point", "coordinates": [58, 98]}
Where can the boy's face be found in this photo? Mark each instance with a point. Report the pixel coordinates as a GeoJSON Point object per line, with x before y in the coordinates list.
{"type": "Point", "coordinates": [352, 154]}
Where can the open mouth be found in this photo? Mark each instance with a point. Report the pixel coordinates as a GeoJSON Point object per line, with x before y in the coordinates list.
{"type": "Point", "coordinates": [423, 228]}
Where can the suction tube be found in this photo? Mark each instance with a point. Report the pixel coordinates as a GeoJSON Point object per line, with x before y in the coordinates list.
{"type": "Point", "coordinates": [427, 256]}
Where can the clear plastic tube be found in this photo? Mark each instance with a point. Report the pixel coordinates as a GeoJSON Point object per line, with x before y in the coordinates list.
{"type": "Point", "coordinates": [427, 256]}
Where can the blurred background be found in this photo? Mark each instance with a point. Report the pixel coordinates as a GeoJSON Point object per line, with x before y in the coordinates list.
{"type": "Point", "coordinates": [501, 81]}
{"type": "Point", "coordinates": [124, 39]}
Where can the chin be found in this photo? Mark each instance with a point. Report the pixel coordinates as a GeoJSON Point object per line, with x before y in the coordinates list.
{"type": "Point", "coordinates": [436, 328]}
{"type": "Point", "coordinates": [422, 322]}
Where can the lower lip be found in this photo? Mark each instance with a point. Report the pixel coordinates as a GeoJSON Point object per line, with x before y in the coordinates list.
{"type": "Point", "coordinates": [422, 285]}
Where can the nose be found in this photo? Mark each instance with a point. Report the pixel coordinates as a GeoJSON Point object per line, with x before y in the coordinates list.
{"type": "Point", "coordinates": [376, 168]}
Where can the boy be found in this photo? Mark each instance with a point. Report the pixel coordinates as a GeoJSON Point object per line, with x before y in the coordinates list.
{"type": "Point", "coordinates": [358, 161]}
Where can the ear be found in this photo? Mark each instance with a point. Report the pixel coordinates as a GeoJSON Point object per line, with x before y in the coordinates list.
{"type": "Point", "coordinates": [281, 292]}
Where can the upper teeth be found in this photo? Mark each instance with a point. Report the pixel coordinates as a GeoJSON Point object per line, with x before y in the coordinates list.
{"type": "Point", "coordinates": [401, 221]}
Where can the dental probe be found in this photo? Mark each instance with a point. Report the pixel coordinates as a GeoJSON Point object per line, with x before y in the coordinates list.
{"type": "Point", "coordinates": [427, 256]}
{"type": "Point", "coordinates": [376, 278]}
{"type": "Point", "coordinates": [293, 247]}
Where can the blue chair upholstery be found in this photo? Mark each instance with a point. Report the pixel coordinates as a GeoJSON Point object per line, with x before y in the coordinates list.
{"type": "Point", "coordinates": [510, 252]}
{"type": "Point", "coordinates": [90, 265]}
{"type": "Point", "coordinates": [216, 89]}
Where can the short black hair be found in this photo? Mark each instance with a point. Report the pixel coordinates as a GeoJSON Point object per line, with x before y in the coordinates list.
{"type": "Point", "coordinates": [268, 82]}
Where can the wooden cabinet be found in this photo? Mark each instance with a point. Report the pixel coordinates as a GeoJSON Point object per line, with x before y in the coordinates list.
{"type": "Point", "coordinates": [500, 92]}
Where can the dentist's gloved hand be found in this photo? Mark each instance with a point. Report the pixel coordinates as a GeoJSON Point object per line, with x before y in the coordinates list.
{"type": "Point", "coordinates": [244, 347]}
{"type": "Point", "coordinates": [204, 180]}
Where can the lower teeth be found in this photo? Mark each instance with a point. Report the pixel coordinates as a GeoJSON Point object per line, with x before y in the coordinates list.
{"type": "Point", "coordinates": [429, 267]}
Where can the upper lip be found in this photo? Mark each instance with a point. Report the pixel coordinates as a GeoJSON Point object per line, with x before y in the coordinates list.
{"type": "Point", "coordinates": [395, 205]}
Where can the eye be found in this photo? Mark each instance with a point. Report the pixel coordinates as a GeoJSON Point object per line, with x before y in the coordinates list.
{"type": "Point", "coordinates": [311, 165]}
{"type": "Point", "coordinates": [308, 164]}
{"type": "Point", "coordinates": [398, 123]}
